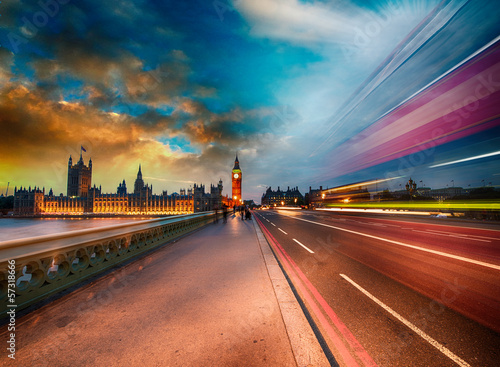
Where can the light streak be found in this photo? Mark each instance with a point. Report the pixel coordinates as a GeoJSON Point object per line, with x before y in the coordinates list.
{"type": "Point", "coordinates": [466, 159]}
{"type": "Point", "coordinates": [359, 184]}
{"type": "Point", "coordinates": [407, 245]}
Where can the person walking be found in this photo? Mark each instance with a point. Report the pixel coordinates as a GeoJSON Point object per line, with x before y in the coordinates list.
{"type": "Point", "coordinates": [224, 213]}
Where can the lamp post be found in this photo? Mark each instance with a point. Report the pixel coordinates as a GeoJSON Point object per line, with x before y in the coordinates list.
{"type": "Point", "coordinates": [411, 186]}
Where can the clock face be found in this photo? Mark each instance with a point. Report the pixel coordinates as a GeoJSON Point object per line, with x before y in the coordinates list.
{"type": "Point", "coordinates": [236, 175]}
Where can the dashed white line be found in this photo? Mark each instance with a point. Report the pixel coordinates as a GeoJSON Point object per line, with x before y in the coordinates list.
{"type": "Point", "coordinates": [392, 225]}
{"type": "Point", "coordinates": [451, 235]}
{"type": "Point", "coordinates": [475, 235]}
{"type": "Point", "coordinates": [415, 329]}
{"type": "Point", "coordinates": [464, 235]}
{"type": "Point", "coordinates": [282, 230]}
{"type": "Point", "coordinates": [307, 248]}
{"type": "Point", "coordinates": [273, 224]}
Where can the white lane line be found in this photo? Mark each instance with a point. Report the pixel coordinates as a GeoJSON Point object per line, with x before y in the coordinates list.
{"type": "Point", "coordinates": [415, 329]}
{"type": "Point", "coordinates": [468, 237]}
{"type": "Point", "coordinates": [451, 235]}
{"type": "Point", "coordinates": [490, 238]}
{"type": "Point", "coordinates": [273, 224]}
{"type": "Point", "coordinates": [392, 225]}
{"type": "Point", "coordinates": [282, 230]}
{"type": "Point", "coordinates": [308, 249]}
{"type": "Point", "coordinates": [435, 230]}
{"type": "Point", "coordinates": [465, 235]}
{"type": "Point", "coordinates": [461, 258]}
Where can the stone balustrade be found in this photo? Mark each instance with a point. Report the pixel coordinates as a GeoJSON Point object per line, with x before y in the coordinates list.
{"type": "Point", "coordinates": [48, 264]}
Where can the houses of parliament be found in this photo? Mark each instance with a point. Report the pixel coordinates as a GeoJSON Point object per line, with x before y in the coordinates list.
{"type": "Point", "coordinates": [83, 198]}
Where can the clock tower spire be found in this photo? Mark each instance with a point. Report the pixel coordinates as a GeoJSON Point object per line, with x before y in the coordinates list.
{"type": "Point", "coordinates": [236, 181]}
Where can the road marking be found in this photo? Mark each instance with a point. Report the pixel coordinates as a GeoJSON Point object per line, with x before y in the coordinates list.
{"type": "Point", "coordinates": [273, 224]}
{"type": "Point", "coordinates": [282, 231]}
{"type": "Point", "coordinates": [490, 238]}
{"type": "Point", "coordinates": [451, 235]}
{"type": "Point", "coordinates": [456, 257]}
{"type": "Point", "coordinates": [315, 301]}
{"type": "Point", "coordinates": [392, 225]}
{"type": "Point", "coordinates": [465, 235]}
{"type": "Point", "coordinates": [415, 329]}
{"type": "Point", "coordinates": [435, 230]}
{"type": "Point", "coordinates": [308, 249]}
{"type": "Point", "coordinates": [374, 224]}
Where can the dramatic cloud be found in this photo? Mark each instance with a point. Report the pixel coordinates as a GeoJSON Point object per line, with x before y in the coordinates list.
{"type": "Point", "coordinates": [181, 87]}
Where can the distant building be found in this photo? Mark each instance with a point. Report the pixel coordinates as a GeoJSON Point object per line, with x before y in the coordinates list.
{"type": "Point", "coordinates": [28, 201]}
{"type": "Point", "coordinates": [122, 188]}
{"type": "Point", "coordinates": [79, 177]}
{"type": "Point", "coordinates": [207, 201]}
{"type": "Point", "coordinates": [446, 193]}
{"type": "Point", "coordinates": [236, 180]}
{"type": "Point", "coordinates": [83, 199]}
{"type": "Point", "coordinates": [280, 198]}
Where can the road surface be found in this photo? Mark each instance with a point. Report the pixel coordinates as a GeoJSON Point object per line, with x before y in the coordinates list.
{"type": "Point", "coordinates": [394, 291]}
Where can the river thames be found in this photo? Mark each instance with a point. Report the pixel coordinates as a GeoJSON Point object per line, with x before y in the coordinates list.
{"type": "Point", "coordinates": [15, 228]}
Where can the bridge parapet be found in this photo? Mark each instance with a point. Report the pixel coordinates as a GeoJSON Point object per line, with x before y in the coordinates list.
{"type": "Point", "coordinates": [48, 264]}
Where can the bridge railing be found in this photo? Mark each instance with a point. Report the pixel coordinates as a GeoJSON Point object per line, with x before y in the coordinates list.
{"type": "Point", "coordinates": [31, 269]}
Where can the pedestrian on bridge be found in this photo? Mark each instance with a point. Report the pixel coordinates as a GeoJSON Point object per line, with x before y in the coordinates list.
{"type": "Point", "coordinates": [224, 213]}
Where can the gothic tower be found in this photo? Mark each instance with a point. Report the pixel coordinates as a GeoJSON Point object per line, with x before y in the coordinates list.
{"type": "Point", "coordinates": [236, 181]}
{"type": "Point", "coordinates": [139, 182]}
{"type": "Point", "coordinates": [79, 177]}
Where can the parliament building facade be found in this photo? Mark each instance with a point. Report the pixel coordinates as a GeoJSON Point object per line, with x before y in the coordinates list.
{"type": "Point", "coordinates": [83, 198]}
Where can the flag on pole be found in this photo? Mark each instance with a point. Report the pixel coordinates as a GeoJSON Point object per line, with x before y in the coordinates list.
{"type": "Point", "coordinates": [81, 146]}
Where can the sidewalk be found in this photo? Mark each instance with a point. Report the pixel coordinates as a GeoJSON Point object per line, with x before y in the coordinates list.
{"type": "Point", "coordinates": [208, 299]}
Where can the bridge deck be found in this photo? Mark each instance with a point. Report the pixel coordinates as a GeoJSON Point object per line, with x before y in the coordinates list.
{"type": "Point", "coordinates": [205, 300]}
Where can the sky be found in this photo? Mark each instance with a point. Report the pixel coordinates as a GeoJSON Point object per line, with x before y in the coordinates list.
{"type": "Point", "coordinates": [306, 93]}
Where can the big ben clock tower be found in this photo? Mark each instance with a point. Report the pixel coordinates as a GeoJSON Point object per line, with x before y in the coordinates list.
{"type": "Point", "coordinates": [236, 180]}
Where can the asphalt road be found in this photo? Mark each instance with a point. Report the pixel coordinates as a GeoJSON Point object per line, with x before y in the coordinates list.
{"type": "Point", "coordinates": [394, 291]}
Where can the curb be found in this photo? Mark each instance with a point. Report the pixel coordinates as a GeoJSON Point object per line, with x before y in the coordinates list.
{"type": "Point", "coordinates": [305, 346]}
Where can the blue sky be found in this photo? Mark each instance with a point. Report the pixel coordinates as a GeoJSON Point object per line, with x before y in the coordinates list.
{"type": "Point", "coordinates": [182, 86]}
